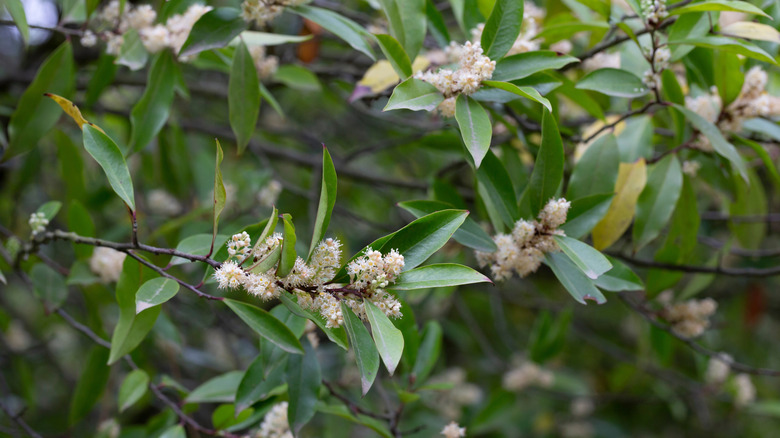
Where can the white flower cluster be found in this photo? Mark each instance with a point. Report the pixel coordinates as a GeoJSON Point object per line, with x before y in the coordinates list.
{"type": "Point", "coordinates": [690, 318]}
{"type": "Point", "coordinates": [264, 11]}
{"type": "Point", "coordinates": [450, 402]}
{"type": "Point", "coordinates": [652, 77]}
{"type": "Point", "coordinates": [268, 195]}
{"type": "Point", "coordinates": [473, 68]}
{"type": "Point", "coordinates": [527, 374]}
{"type": "Point", "coordinates": [745, 391]}
{"type": "Point", "coordinates": [453, 430]}
{"type": "Point", "coordinates": [691, 168]}
{"type": "Point", "coordinates": [601, 60]}
{"type": "Point", "coordinates": [718, 369]}
{"type": "Point", "coordinates": [524, 249]}
{"type": "Point", "coordinates": [38, 223]}
{"type": "Point", "coordinates": [371, 274]}
{"type": "Point", "coordinates": [239, 245]}
{"type": "Point", "coordinates": [155, 37]}
{"type": "Point", "coordinates": [107, 263]}
{"type": "Point", "coordinates": [532, 25]}
{"type": "Point", "coordinates": [275, 424]}
{"type": "Point", "coordinates": [163, 203]}
{"type": "Point", "coordinates": [654, 11]}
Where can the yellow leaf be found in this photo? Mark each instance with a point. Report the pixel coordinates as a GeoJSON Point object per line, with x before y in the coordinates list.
{"type": "Point", "coordinates": [630, 182]}
{"type": "Point", "coordinates": [381, 76]}
{"type": "Point", "coordinates": [753, 31]}
{"type": "Point", "coordinates": [72, 110]}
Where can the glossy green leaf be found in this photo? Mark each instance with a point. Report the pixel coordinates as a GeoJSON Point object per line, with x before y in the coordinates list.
{"type": "Point", "coordinates": [579, 286]}
{"type": "Point", "coordinates": [220, 195]}
{"type": "Point", "coordinates": [132, 55]}
{"type": "Point", "coordinates": [155, 292]}
{"type": "Point", "coordinates": [415, 95]}
{"type": "Point", "coordinates": [469, 234]}
{"type": "Point", "coordinates": [16, 9]}
{"type": "Point", "coordinates": [585, 213]}
{"type": "Point", "coordinates": [728, 44]}
{"type": "Point", "coordinates": [475, 127]}
{"type": "Point", "coordinates": [407, 21]}
{"type": "Point", "coordinates": [342, 27]}
{"type": "Point", "coordinates": [226, 417]}
{"type": "Point", "coordinates": [266, 325]}
{"type": "Point", "coordinates": [337, 334]}
{"type": "Point", "coordinates": [35, 114]}
{"type": "Point", "coordinates": [691, 25]}
{"type": "Point", "coordinates": [50, 209]}
{"type": "Point", "coordinates": [719, 5]}
{"type": "Point", "coordinates": [394, 52]}
{"type": "Point", "coordinates": [728, 76]}
{"type": "Point", "coordinates": [619, 278]}
{"type": "Point", "coordinates": [436, 24]}
{"type": "Point", "coordinates": [297, 78]}
{"type": "Point", "coordinates": [763, 155]}
{"type": "Point", "coordinates": [502, 28]}
{"type": "Point", "coordinates": [197, 244]}
{"type": "Point", "coordinates": [243, 96]}
{"type": "Point", "coordinates": [592, 262]}
{"type": "Point", "coordinates": [527, 92]}
{"type": "Point", "coordinates": [719, 143]}
{"type": "Point", "coordinates": [613, 82]}
{"type": "Point", "coordinates": [388, 339]}
{"type": "Point", "coordinates": [303, 384]}
{"type": "Point", "coordinates": [328, 191]}
{"type": "Point", "coordinates": [103, 149]}
{"type": "Point", "coordinates": [428, 352]}
{"type": "Point", "coordinates": [213, 30]}
{"type": "Point", "coordinates": [258, 382]}
{"type": "Point", "coordinates": [525, 64]}
{"type": "Point", "coordinates": [48, 286]}
{"type": "Point", "coordinates": [151, 112]}
{"type": "Point", "coordinates": [91, 384]}
{"type": "Point", "coordinates": [438, 275]}
{"type": "Point", "coordinates": [176, 431]}
{"type": "Point", "coordinates": [220, 389]}
{"type": "Point", "coordinates": [657, 200]}
{"type": "Point", "coordinates": [366, 354]}
{"type": "Point", "coordinates": [596, 171]}
{"type": "Point", "coordinates": [496, 191]}
{"type": "Point", "coordinates": [548, 167]}
{"type": "Point", "coordinates": [133, 387]}
{"type": "Point", "coordinates": [130, 332]}
{"type": "Point", "coordinates": [288, 255]}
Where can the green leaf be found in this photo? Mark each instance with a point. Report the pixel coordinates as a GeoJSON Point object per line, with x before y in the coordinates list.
{"type": "Point", "coordinates": [328, 193]}
{"type": "Point", "coordinates": [35, 115]}
{"type": "Point", "coordinates": [176, 431]}
{"type": "Point", "coordinates": [719, 5]}
{"type": "Point", "coordinates": [727, 44]}
{"type": "Point", "coordinates": [288, 256]}
{"type": "Point", "coordinates": [220, 195]}
{"type": "Point", "coordinates": [588, 259]}
{"type": "Point", "coordinates": [750, 200]}
{"type": "Point", "coordinates": [388, 339]}
{"type": "Point", "coordinates": [728, 76]}
{"type": "Point", "coordinates": [253, 38]}
{"type": "Point", "coordinates": [151, 112]}
{"type": "Point", "coordinates": [225, 417]}
{"type": "Point", "coordinates": [573, 279]}
{"type": "Point", "coordinates": [297, 77]}
{"type": "Point", "coordinates": [103, 149]}
{"type": "Point", "coordinates": [475, 127]}
{"type": "Point", "coordinates": [16, 9]}
{"type": "Point", "coordinates": [407, 21]}
{"type": "Point", "coordinates": [428, 353]}
{"type": "Point", "coordinates": [525, 64]}
{"type": "Point", "coordinates": [629, 185]}
{"type": "Point", "coordinates": [613, 82]}
{"type": "Point", "coordinates": [303, 384]}
{"type": "Point", "coordinates": [48, 286]}
{"type": "Point", "coordinates": [336, 335]}
{"type": "Point", "coordinates": [763, 155]}
{"type": "Point", "coordinates": [548, 337]}
{"type": "Point", "coordinates": [378, 426]}
{"type": "Point", "coordinates": [50, 209]}
{"type": "Point", "coordinates": [198, 244]}
{"type": "Point", "coordinates": [548, 168]}
{"type": "Point", "coordinates": [438, 275]}
{"type": "Point", "coordinates": [213, 30]}
{"type": "Point", "coordinates": [560, 31]}
{"type": "Point", "coordinates": [259, 382]}
{"type": "Point", "coordinates": [266, 326]}
{"type": "Point", "coordinates": [220, 389]}
{"type": "Point", "coordinates": [415, 95]}
{"type": "Point", "coordinates": [436, 24]}
{"type": "Point", "coordinates": [502, 28]}
{"type": "Point", "coordinates": [133, 388]}
{"type": "Point", "coordinates": [243, 96]}
{"type": "Point", "coordinates": [340, 26]}
{"type": "Point", "coordinates": [496, 191]}
{"type": "Point", "coordinates": [102, 77]}
{"type": "Point", "coordinates": [527, 92]}
{"type": "Point", "coordinates": [271, 100]}
{"type": "Point", "coordinates": [719, 143]}
{"type": "Point", "coordinates": [656, 202]}
{"type": "Point", "coordinates": [596, 171]}
{"type": "Point", "coordinates": [688, 26]}
{"type": "Point", "coordinates": [395, 53]}
{"type": "Point", "coordinates": [469, 234]}
{"type": "Point", "coordinates": [366, 354]}
{"type": "Point", "coordinates": [619, 278]}
{"type": "Point", "coordinates": [155, 292]}
{"type": "Point", "coordinates": [91, 384]}
{"type": "Point", "coordinates": [132, 55]}
{"type": "Point", "coordinates": [585, 213]}
{"type": "Point", "coordinates": [131, 332]}
{"type": "Point", "coordinates": [421, 238]}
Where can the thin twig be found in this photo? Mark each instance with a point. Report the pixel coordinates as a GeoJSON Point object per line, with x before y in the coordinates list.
{"type": "Point", "coordinates": [736, 272]}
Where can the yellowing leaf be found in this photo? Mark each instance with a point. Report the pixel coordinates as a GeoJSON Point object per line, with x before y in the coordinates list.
{"type": "Point", "coordinates": [630, 182]}
{"type": "Point", "coordinates": [381, 76]}
{"type": "Point", "coordinates": [72, 110]}
{"type": "Point", "coordinates": [753, 31]}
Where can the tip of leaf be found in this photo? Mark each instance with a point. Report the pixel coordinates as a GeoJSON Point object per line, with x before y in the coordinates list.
{"type": "Point", "coordinates": [588, 297]}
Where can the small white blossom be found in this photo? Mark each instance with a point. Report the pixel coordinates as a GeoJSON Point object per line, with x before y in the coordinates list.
{"type": "Point", "coordinates": [525, 375]}
{"type": "Point", "coordinates": [88, 39]}
{"type": "Point", "coordinates": [240, 245]}
{"type": "Point", "coordinates": [745, 391]}
{"type": "Point", "coordinates": [107, 263]}
{"type": "Point", "coordinates": [155, 39]}
{"type": "Point", "coordinates": [330, 309]}
{"type": "Point", "coordinates": [718, 369]}
{"type": "Point", "coordinates": [691, 168]}
{"type": "Point", "coordinates": [691, 318]}
{"type": "Point", "coordinates": [268, 195]}
{"type": "Point", "coordinates": [601, 60]}
{"type": "Point", "coordinates": [453, 430]}
{"type": "Point", "coordinates": [275, 424]}
{"type": "Point", "coordinates": [229, 275]}
{"type": "Point", "coordinates": [163, 203]}
{"type": "Point", "coordinates": [654, 11]}
{"type": "Point", "coordinates": [262, 286]}
{"type": "Point", "coordinates": [38, 223]}
{"type": "Point", "coordinates": [326, 260]}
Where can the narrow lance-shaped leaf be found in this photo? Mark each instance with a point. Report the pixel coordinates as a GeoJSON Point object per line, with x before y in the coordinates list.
{"type": "Point", "coordinates": [327, 200]}
{"type": "Point", "coordinates": [16, 9]}
{"type": "Point", "coordinates": [630, 182]}
{"type": "Point", "coordinates": [258, 382]}
{"type": "Point", "coordinates": [469, 234]}
{"type": "Point", "coordinates": [613, 82]}
{"type": "Point", "coordinates": [221, 388]}
{"type": "Point", "coordinates": [340, 26]}
{"type": "Point", "coordinates": [619, 278]}
{"type": "Point", "coordinates": [91, 384]}
{"type": "Point", "coordinates": [496, 191]}
{"type": "Point", "coordinates": [266, 325]}
{"type": "Point", "coordinates": [220, 195]}
{"type": "Point", "coordinates": [70, 109]}
{"type": "Point", "coordinates": [438, 275]}
{"type": "Point", "coordinates": [475, 127]}
{"type": "Point", "coordinates": [416, 95]}
{"type": "Point", "coordinates": [366, 354]}
{"type": "Point", "coordinates": [133, 388]}
{"type": "Point", "coordinates": [288, 256]}
{"type": "Point", "coordinates": [214, 29]}
{"type": "Point", "coordinates": [719, 5]}
{"type": "Point", "coordinates": [525, 64]}
{"type": "Point", "coordinates": [395, 53]}
{"type": "Point", "coordinates": [407, 23]}
{"type": "Point", "coordinates": [527, 92]}
{"type": "Point", "coordinates": [579, 286]}
{"type": "Point", "coordinates": [303, 384]}
{"type": "Point", "coordinates": [548, 167]}
{"type": "Point", "coordinates": [243, 96]}
{"type": "Point", "coordinates": [502, 28]}
{"type": "Point", "coordinates": [388, 339]}
{"type": "Point", "coordinates": [429, 351]}
{"type": "Point", "coordinates": [656, 202]}
{"type": "Point", "coordinates": [103, 149]}
{"type": "Point", "coordinates": [151, 112]}
{"type": "Point", "coordinates": [588, 259]}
